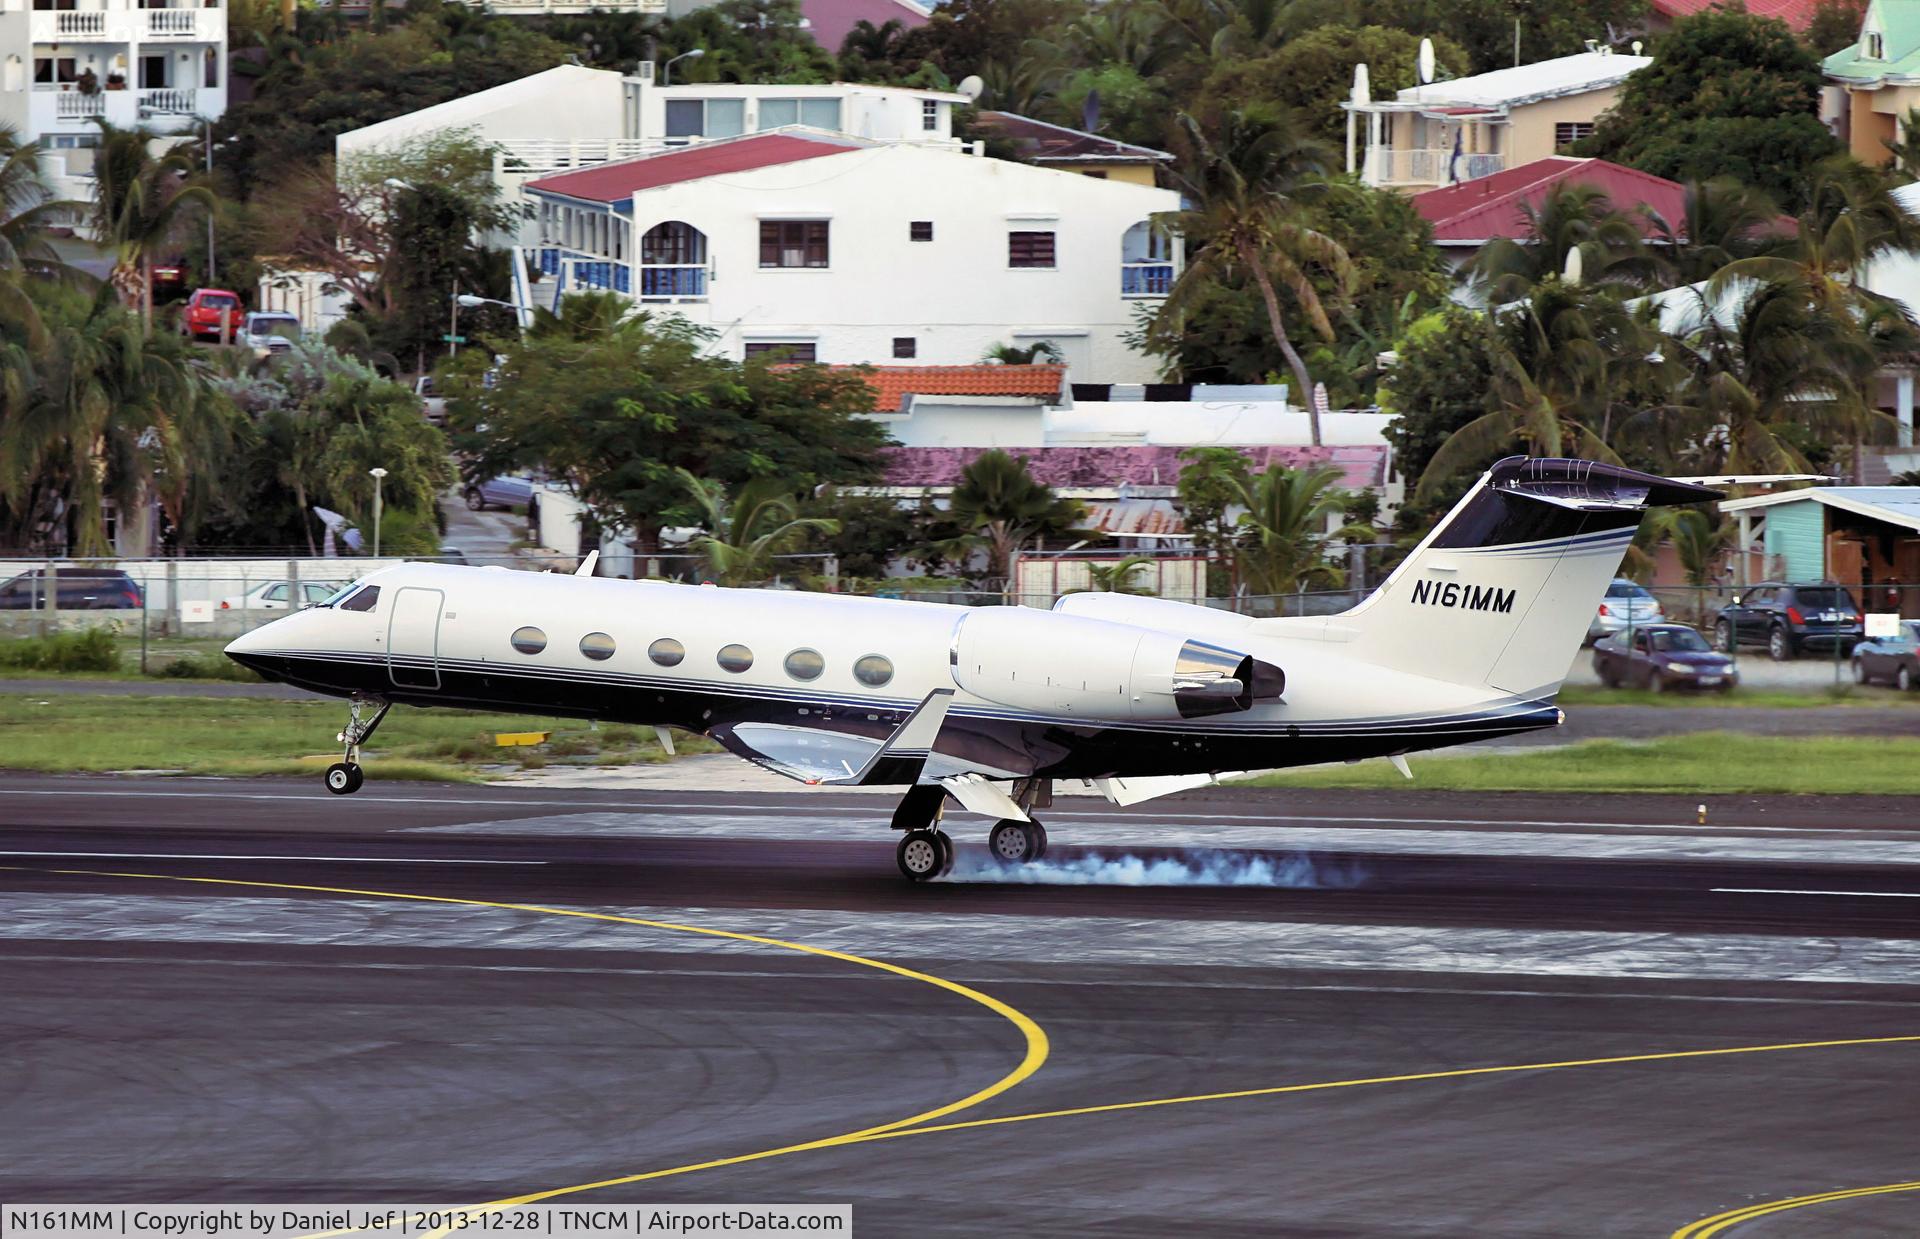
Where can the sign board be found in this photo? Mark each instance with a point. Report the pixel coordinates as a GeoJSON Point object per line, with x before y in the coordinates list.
{"type": "Point", "coordinates": [196, 612]}
{"type": "Point", "coordinates": [447, 339]}
{"type": "Point", "coordinates": [1882, 624]}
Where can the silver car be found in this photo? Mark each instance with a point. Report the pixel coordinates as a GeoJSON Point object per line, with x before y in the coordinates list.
{"type": "Point", "coordinates": [1627, 605]}
{"type": "Point", "coordinates": [271, 331]}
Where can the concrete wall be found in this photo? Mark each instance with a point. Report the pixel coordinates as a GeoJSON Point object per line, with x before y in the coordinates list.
{"type": "Point", "coordinates": [1530, 131]}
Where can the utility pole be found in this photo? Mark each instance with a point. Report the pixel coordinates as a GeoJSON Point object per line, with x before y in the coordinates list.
{"type": "Point", "coordinates": [212, 278]}
{"type": "Point", "coordinates": [378, 473]}
{"type": "Point", "coordinates": [453, 327]}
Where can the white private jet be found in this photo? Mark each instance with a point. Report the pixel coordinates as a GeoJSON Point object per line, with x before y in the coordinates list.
{"type": "Point", "coordinates": [1468, 639]}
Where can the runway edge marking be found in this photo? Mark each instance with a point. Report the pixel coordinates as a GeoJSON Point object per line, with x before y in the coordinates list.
{"type": "Point", "coordinates": [1035, 1037]}
{"type": "Point", "coordinates": [1719, 1223]}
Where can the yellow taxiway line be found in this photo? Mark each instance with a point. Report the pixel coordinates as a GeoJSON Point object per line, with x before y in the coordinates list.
{"type": "Point", "coordinates": [1719, 1223]}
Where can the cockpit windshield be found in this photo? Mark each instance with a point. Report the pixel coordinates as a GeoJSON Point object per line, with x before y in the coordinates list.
{"type": "Point", "coordinates": [338, 594]}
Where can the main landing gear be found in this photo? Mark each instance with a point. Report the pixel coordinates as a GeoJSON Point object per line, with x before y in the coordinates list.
{"type": "Point", "coordinates": [344, 777]}
{"type": "Point", "coordinates": [926, 851]}
{"type": "Point", "coordinates": [1017, 843]}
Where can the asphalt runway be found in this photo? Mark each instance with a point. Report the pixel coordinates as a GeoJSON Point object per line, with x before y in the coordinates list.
{"type": "Point", "coordinates": [1240, 1013]}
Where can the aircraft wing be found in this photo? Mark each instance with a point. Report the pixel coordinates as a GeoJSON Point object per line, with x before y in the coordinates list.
{"type": "Point", "coordinates": [831, 758]}
{"type": "Point", "coordinates": [1754, 479]}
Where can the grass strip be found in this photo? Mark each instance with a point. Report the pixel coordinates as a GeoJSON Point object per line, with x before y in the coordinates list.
{"type": "Point", "coordinates": [1750, 698]}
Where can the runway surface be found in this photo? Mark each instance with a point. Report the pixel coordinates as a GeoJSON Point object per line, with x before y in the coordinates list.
{"type": "Point", "coordinates": [1431, 1014]}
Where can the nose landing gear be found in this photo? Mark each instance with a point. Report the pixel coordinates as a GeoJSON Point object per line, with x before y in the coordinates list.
{"type": "Point", "coordinates": [344, 777]}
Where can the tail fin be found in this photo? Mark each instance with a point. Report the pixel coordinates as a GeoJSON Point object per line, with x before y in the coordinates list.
{"type": "Point", "coordinates": [1502, 591]}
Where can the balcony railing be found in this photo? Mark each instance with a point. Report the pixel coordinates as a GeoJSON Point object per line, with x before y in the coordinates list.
{"type": "Point", "coordinates": [80, 25]}
{"type": "Point", "coordinates": [673, 282]}
{"type": "Point", "coordinates": [538, 155]}
{"type": "Point", "coordinates": [176, 22]}
{"type": "Point", "coordinates": [657, 281]}
{"type": "Point", "coordinates": [1146, 279]}
{"type": "Point", "coordinates": [1388, 165]}
{"type": "Point", "coordinates": [72, 105]}
{"type": "Point", "coordinates": [167, 101]}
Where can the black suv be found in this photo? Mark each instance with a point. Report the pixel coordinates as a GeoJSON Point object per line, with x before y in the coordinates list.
{"type": "Point", "coordinates": [1790, 618]}
{"type": "Point", "coordinates": [81, 589]}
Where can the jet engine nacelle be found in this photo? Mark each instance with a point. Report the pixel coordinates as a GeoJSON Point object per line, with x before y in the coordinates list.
{"type": "Point", "coordinates": [1087, 668]}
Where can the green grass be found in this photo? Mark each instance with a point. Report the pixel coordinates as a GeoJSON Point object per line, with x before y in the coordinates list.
{"type": "Point", "coordinates": [192, 658]}
{"type": "Point", "coordinates": [239, 736]}
{"type": "Point", "coordinates": [1700, 763]}
{"type": "Point", "coordinates": [1847, 694]}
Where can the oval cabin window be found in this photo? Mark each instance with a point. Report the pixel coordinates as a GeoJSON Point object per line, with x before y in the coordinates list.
{"type": "Point", "coordinates": [667, 652]}
{"type": "Point", "coordinates": [805, 664]}
{"type": "Point", "coordinates": [734, 658]}
{"type": "Point", "coordinates": [597, 645]}
{"type": "Point", "coordinates": [529, 640]}
{"type": "Point", "coordinates": [873, 670]}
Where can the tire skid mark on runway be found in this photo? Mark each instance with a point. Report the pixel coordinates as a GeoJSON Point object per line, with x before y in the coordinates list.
{"type": "Point", "coordinates": [1719, 1223]}
{"type": "Point", "coordinates": [1035, 1038]}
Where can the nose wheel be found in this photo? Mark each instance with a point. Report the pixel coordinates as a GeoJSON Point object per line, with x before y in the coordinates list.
{"type": "Point", "coordinates": [344, 777]}
{"type": "Point", "coordinates": [1017, 843]}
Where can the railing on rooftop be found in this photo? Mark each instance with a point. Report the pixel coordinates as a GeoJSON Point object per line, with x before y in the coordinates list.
{"type": "Point", "coordinates": [80, 24]}
{"type": "Point", "coordinates": [1387, 165]}
{"type": "Point", "coordinates": [524, 156]}
{"type": "Point", "coordinates": [168, 101]}
{"type": "Point", "coordinates": [171, 22]}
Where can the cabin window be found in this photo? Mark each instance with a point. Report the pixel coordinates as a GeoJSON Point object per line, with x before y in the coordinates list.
{"type": "Point", "coordinates": [529, 640]}
{"type": "Point", "coordinates": [805, 664]}
{"type": "Point", "coordinates": [597, 645]}
{"type": "Point", "coordinates": [734, 658]}
{"type": "Point", "coordinates": [873, 670]}
{"type": "Point", "coordinates": [667, 652]}
{"type": "Point", "coordinates": [365, 600]}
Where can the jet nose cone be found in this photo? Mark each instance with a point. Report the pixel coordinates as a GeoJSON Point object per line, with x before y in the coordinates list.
{"type": "Point", "coordinates": [248, 649]}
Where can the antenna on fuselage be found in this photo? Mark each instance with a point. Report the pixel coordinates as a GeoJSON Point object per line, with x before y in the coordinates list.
{"type": "Point", "coordinates": [586, 565]}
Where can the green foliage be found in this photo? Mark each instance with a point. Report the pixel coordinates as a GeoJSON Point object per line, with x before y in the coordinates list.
{"type": "Point", "coordinates": [1313, 73]}
{"type": "Point", "coordinates": [88, 649]}
{"type": "Point", "coordinates": [1835, 23]}
{"type": "Point", "coordinates": [747, 41]}
{"type": "Point", "coordinates": [998, 502]}
{"type": "Point", "coordinates": [1728, 94]}
{"type": "Point", "coordinates": [1485, 28]}
{"type": "Point", "coordinates": [613, 405]}
{"type": "Point", "coordinates": [1118, 577]}
{"type": "Point", "coordinates": [872, 530]}
{"type": "Point", "coordinates": [1440, 381]}
{"type": "Point", "coordinates": [1283, 543]}
{"type": "Point", "coordinates": [1212, 480]}
{"type": "Point", "coordinates": [746, 530]}
{"type": "Point", "coordinates": [206, 667]}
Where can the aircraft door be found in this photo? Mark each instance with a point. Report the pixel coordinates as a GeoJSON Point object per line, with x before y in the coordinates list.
{"type": "Point", "coordinates": [413, 638]}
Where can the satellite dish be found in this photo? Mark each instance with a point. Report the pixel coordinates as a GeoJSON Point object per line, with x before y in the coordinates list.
{"type": "Point", "coordinates": [1574, 268]}
{"type": "Point", "coordinates": [1426, 61]}
{"type": "Point", "coordinates": [1362, 87]}
{"type": "Point", "coordinates": [971, 86]}
{"type": "Point", "coordinates": [1637, 45]}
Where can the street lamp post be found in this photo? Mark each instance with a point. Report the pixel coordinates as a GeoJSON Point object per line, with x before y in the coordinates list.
{"type": "Point", "coordinates": [468, 301]}
{"type": "Point", "coordinates": [666, 74]}
{"type": "Point", "coordinates": [212, 278]}
{"type": "Point", "coordinates": [378, 473]}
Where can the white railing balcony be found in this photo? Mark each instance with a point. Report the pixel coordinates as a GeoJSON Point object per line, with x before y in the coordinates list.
{"type": "Point", "coordinates": [168, 101]}
{"type": "Point", "coordinates": [1395, 166]}
{"type": "Point", "coordinates": [80, 25]}
{"type": "Point", "coordinates": [1146, 279]}
{"type": "Point", "coordinates": [537, 156]}
{"type": "Point", "coordinates": [72, 105]}
{"type": "Point", "coordinates": [172, 23]}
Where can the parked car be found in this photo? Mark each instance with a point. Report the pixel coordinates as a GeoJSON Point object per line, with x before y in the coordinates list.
{"type": "Point", "coordinates": [78, 589]}
{"type": "Point", "coordinates": [280, 596]}
{"type": "Point", "coordinates": [270, 331]}
{"type": "Point", "coordinates": [169, 281]}
{"type": "Point", "coordinates": [1627, 605]}
{"type": "Point", "coordinates": [210, 310]}
{"type": "Point", "coordinates": [501, 492]}
{"type": "Point", "coordinates": [1789, 618]}
{"type": "Point", "coordinates": [1896, 660]}
{"type": "Point", "coordinates": [1660, 657]}
{"type": "Point", "coordinates": [433, 406]}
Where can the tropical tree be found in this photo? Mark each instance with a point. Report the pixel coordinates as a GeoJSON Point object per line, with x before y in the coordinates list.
{"type": "Point", "coordinates": [140, 202]}
{"type": "Point", "coordinates": [998, 502]}
{"type": "Point", "coordinates": [1571, 216]}
{"type": "Point", "coordinates": [1040, 351]}
{"type": "Point", "coordinates": [27, 209]}
{"type": "Point", "coordinates": [746, 530]}
{"type": "Point", "coordinates": [1722, 221]}
{"type": "Point", "coordinates": [1284, 528]}
{"type": "Point", "coordinates": [1250, 175]}
{"type": "Point", "coordinates": [1118, 576]}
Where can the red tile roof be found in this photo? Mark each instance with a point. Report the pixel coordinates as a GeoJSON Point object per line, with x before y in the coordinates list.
{"type": "Point", "coordinates": [1141, 465]}
{"type": "Point", "coordinates": [620, 180]}
{"type": "Point", "coordinates": [893, 384]}
{"type": "Point", "coordinates": [1476, 211]}
{"type": "Point", "coordinates": [1796, 13]}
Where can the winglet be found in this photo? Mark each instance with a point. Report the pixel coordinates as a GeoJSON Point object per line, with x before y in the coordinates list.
{"type": "Point", "coordinates": [904, 755]}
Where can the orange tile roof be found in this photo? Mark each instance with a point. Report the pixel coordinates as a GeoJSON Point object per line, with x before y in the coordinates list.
{"type": "Point", "coordinates": [893, 384]}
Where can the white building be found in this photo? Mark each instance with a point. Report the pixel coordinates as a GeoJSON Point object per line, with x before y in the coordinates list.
{"type": "Point", "coordinates": [826, 247]}
{"type": "Point", "coordinates": [159, 63]}
{"type": "Point", "coordinates": [572, 117]}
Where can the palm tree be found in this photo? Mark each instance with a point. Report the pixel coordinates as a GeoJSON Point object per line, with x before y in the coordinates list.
{"type": "Point", "coordinates": [1284, 545]}
{"type": "Point", "coordinates": [1569, 217]}
{"type": "Point", "coordinates": [1117, 577]}
{"type": "Point", "coordinates": [1250, 172]}
{"type": "Point", "coordinates": [746, 531]}
{"type": "Point", "coordinates": [1000, 503]}
{"type": "Point", "coordinates": [1024, 355]}
{"type": "Point", "coordinates": [139, 202]}
{"type": "Point", "coordinates": [27, 209]}
{"type": "Point", "coordinates": [1722, 221]}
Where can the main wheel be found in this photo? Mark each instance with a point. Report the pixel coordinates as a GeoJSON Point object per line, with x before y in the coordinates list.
{"type": "Point", "coordinates": [1723, 637]}
{"type": "Point", "coordinates": [1038, 834]}
{"type": "Point", "coordinates": [1779, 645]}
{"type": "Point", "coordinates": [920, 855]}
{"type": "Point", "coordinates": [947, 851]}
{"type": "Point", "coordinates": [1903, 678]}
{"type": "Point", "coordinates": [343, 779]}
{"type": "Point", "coordinates": [1012, 842]}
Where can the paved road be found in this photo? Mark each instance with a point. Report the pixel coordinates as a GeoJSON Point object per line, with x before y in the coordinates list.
{"type": "Point", "coordinates": [257, 1038]}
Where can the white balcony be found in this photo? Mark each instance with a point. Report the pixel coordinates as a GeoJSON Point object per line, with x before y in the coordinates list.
{"type": "Point", "coordinates": [1397, 167]}
{"type": "Point", "coordinates": [80, 24]}
{"type": "Point", "coordinates": [540, 156]}
{"type": "Point", "coordinates": [56, 110]}
{"type": "Point", "coordinates": [172, 23]}
{"type": "Point", "coordinates": [169, 101]}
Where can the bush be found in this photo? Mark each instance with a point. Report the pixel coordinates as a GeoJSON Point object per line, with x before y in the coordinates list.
{"type": "Point", "coordinates": [91, 649]}
{"type": "Point", "coordinates": [206, 667]}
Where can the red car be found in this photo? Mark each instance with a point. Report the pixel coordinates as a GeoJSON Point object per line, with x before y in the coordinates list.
{"type": "Point", "coordinates": [208, 309]}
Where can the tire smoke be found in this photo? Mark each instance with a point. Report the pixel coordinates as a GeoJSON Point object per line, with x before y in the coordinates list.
{"type": "Point", "coordinates": [1190, 867]}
